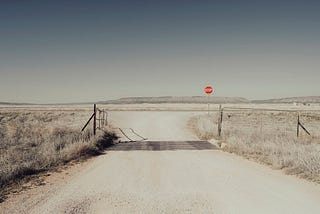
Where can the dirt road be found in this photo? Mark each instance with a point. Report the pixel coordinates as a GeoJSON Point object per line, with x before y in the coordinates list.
{"type": "Point", "coordinates": [170, 173]}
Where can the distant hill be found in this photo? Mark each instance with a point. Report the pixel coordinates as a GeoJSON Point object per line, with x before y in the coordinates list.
{"type": "Point", "coordinates": [48, 104]}
{"type": "Point", "coordinates": [8, 103]}
{"type": "Point", "coordinates": [309, 99]}
{"type": "Point", "coordinates": [169, 99]}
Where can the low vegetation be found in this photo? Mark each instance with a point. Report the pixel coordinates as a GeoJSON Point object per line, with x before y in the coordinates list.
{"type": "Point", "coordinates": [274, 142]}
{"type": "Point", "coordinates": [31, 142]}
{"type": "Point", "coordinates": [204, 126]}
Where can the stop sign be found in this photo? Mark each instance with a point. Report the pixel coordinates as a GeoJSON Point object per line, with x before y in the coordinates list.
{"type": "Point", "coordinates": [208, 89]}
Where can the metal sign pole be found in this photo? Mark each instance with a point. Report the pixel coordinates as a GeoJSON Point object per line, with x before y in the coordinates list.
{"type": "Point", "coordinates": [208, 90]}
{"type": "Point", "coordinates": [208, 103]}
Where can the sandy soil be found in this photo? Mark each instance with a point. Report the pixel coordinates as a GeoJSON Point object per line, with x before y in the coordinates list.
{"type": "Point", "coordinates": [179, 181]}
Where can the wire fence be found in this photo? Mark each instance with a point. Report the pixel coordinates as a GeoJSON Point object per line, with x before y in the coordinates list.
{"type": "Point", "coordinates": [267, 121]}
{"type": "Point", "coordinates": [99, 119]}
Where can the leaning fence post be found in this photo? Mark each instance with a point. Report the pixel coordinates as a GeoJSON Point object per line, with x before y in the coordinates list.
{"type": "Point", "coordinates": [94, 119]}
{"type": "Point", "coordinates": [302, 126]}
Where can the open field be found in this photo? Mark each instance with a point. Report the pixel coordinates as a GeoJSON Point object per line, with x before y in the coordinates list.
{"type": "Point", "coordinates": [203, 107]}
{"type": "Point", "coordinates": [269, 137]}
{"type": "Point", "coordinates": [169, 172]}
{"type": "Point", "coordinates": [160, 107]}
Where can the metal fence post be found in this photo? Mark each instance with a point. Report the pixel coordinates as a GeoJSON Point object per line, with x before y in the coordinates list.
{"type": "Point", "coordinates": [94, 119]}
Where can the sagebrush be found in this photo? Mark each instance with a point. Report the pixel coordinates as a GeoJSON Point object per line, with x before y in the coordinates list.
{"type": "Point", "coordinates": [274, 142]}
{"type": "Point", "coordinates": [32, 142]}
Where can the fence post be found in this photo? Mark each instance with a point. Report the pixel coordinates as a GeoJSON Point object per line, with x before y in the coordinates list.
{"type": "Point", "coordinates": [302, 126]}
{"type": "Point", "coordinates": [99, 119]}
{"type": "Point", "coordinates": [220, 121]}
{"type": "Point", "coordinates": [298, 124]}
{"type": "Point", "coordinates": [94, 119]}
{"type": "Point", "coordinates": [261, 124]}
{"type": "Point", "coordinates": [106, 118]}
{"type": "Point", "coordinates": [102, 118]}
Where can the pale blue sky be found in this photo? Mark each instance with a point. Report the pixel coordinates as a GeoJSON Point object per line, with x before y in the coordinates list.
{"type": "Point", "coordinates": [78, 51]}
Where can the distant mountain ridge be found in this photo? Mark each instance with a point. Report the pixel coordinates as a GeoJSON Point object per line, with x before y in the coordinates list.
{"type": "Point", "coordinates": [307, 99]}
{"type": "Point", "coordinates": [172, 99]}
{"type": "Point", "coordinates": [9, 103]}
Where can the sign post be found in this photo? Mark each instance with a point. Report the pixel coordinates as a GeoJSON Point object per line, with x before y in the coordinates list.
{"type": "Point", "coordinates": [208, 90]}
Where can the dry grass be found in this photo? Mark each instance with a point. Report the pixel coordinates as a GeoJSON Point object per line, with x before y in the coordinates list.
{"type": "Point", "coordinates": [205, 126]}
{"type": "Point", "coordinates": [272, 142]}
{"type": "Point", "coordinates": [295, 156]}
{"type": "Point", "coordinates": [31, 142]}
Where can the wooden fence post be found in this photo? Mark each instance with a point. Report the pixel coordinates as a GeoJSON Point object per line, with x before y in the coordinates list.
{"type": "Point", "coordinates": [94, 119]}
{"type": "Point", "coordinates": [99, 119]}
{"type": "Point", "coordinates": [298, 125]}
{"type": "Point", "coordinates": [106, 118]}
{"type": "Point", "coordinates": [260, 124]}
{"type": "Point", "coordinates": [103, 117]}
{"type": "Point", "coordinates": [220, 121]}
{"type": "Point", "coordinates": [302, 126]}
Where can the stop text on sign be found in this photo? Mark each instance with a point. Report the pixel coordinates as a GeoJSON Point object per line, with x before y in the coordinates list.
{"type": "Point", "coordinates": [208, 89]}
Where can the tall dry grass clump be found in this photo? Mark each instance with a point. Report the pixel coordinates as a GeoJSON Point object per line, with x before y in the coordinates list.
{"type": "Point", "coordinates": [282, 150]}
{"type": "Point", "coordinates": [204, 126]}
{"type": "Point", "coordinates": [32, 142]}
{"type": "Point", "coordinates": [299, 156]}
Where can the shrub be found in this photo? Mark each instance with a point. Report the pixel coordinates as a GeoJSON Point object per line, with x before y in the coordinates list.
{"type": "Point", "coordinates": [32, 142]}
{"type": "Point", "coordinates": [281, 150]}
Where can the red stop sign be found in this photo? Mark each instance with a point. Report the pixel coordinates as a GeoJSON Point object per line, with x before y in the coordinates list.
{"type": "Point", "coordinates": [208, 89]}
